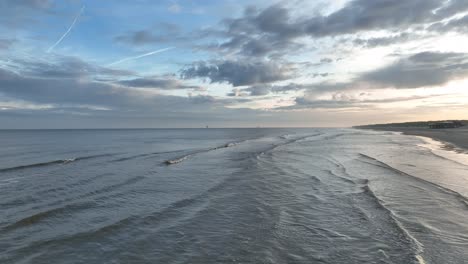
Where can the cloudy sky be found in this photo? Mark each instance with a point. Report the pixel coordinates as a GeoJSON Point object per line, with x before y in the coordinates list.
{"type": "Point", "coordinates": [191, 63]}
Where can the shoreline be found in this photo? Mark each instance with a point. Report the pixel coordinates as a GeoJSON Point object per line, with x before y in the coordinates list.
{"type": "Point", "coordinates": [455, 139]}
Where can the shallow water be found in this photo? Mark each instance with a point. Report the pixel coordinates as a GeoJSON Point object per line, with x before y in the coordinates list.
{"type": "Point", "coordinates": [230, 196]}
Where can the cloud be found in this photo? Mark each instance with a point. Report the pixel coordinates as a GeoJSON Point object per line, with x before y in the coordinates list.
{"type": "Point", "coordinates": [22, 13]}
{"type": "Point", "coordinates": [323, 75]}
{"type": "Point", "coordinates": [420, 70]}
{"type": "Point", "coordinates": [239, 73]}
{"type": "Point", "coordinates": [258, 90]}
{"type": "Point", "coordinates": [423, 69]}
{"type": "Point", "coordinates": [60, 93]}
{"type": "Point", "coordinates": [6, 43]}
{"type": "Point", "coordinates": [268, 32]}
{"type": "Point", "coordinates": [343, 101]}
{"type": "Point", "coordinates": [32, 4]}
{"type": "Point", "coordinates": [415, 71]}
{"type": "Point", "coordinates": [58, 89]}
{"type": "Point", "coordinates": [386, 41]}
{"type": "Point", "coordinates": [164, 84]}
{"type": "Point", "coordinates": [304, 103]}
{"type": "Point", "coordinates": [175, 8]}
{"type": "Point", "coordinates": [161, 33]}
{"type": "Point", "coordinates": [65, 67]}
{"type": "Point", "coordinates": [141, 37]}
{"type": "Point", "coordinates": [459, 25]}
{"type": "Point", "coordinates": [53, 90]}
{"type": "Point", "coordinates": [277, 31]}
{"type": "Point", "coordinates": [274, 31]}
{"type": "Point", "coordinates": [366, 15]}
{"type": "Point", "coordinates": [265, 89]}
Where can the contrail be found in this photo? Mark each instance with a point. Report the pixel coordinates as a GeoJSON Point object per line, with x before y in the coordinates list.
{"type": "Point", "coordinates": [140, 56]}
{"type": "Point", "coordinates": [68, 30]}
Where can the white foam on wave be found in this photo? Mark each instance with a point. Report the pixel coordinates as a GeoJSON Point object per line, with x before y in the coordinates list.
{"type": "Point", "coordinates": [175, 161]}
{"type": "Point", "coordinates": [69, 160]}
{"type": "Point", "coordinates": [420, 259]}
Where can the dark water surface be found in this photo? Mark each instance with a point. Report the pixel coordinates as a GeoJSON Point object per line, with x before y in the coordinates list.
{"type": "Point", "coordinates": [229, 196]}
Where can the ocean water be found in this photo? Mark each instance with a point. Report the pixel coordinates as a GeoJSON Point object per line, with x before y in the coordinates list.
{"type": "Point", "coordinates": [230, 196]}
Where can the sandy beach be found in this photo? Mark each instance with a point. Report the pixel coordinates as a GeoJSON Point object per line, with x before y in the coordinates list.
{"type": "Point", "coordinates": [454, 136]}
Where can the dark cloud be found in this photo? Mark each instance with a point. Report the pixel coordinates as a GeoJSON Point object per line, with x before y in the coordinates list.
{"type": "Point", "coordinates": [164, 84]}
{"type": "Point", "coordinates": [273, 31]}
{"type": "Point", "coordinates": [68, 93]}
{"type": "Point", "coordinates": [239, 73]}
{"type": "Point", "coordinates": [56, 89]}
{"type": "Point", "coordinates": [34, 102]}
{"type": "Point", "coordinates": [68, 82]}
{"type": "Point", "coordinates": [269, 32]}
{"type": "Point", "coordinates": [365, 15]}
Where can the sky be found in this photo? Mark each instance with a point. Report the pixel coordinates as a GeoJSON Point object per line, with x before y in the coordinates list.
{"type": "Point", "coordinates": [192, 63]}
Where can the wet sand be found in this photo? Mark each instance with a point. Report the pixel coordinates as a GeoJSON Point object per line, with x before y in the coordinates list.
{"type": "Point", "coordinates": [457, 137]}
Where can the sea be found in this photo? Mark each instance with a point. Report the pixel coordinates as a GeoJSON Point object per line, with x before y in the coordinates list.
{"type": "Point", "coordinates": [259, 195]}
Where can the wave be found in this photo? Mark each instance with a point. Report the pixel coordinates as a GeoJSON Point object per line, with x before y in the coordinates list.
{"type": "Point", "coordinates": [144, 155]}
{"type": "Point", "coordinates": [291, 141]}
{"type": "Point", "coordinates": [4, 182]}
{"type": "Point", "coordinates": [419, 247]}
{"type": "Point", "coordinates": [233, 144]}
{"type": "Point", "coordinates": [177, 160]}
{"type": "Point", "coordinates": [69, 209]}
{"type": "Point", "coordinates": [182, 158]}
{"type": "Point", "coordinates": [53, 162]}
{"type": "Point", "coordinates": [443, 190]}
{"type": "Point", "coordinates": [159, 219]}
{"type": "Point", "coordinates": [55, 212]}
{"type": "Point", "coordinates": [384, 165]}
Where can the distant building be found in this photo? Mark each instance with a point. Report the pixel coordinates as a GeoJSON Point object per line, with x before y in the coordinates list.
{"type": "Point", "coordinates": [445, 124]}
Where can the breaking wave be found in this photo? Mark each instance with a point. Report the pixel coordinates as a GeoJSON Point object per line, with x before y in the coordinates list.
{"type": "Point", "coordinates": [384, 165]}
{"type": "Point", "coordinates": [53, 162]}
{"type": "Point", "coordinates": [182, 158]}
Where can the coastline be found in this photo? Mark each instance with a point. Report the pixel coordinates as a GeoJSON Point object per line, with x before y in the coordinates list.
{"type": "Point", "coordinates": [455, 139]}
